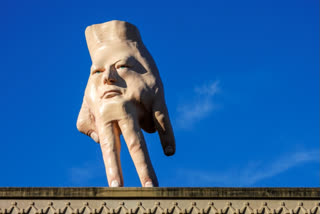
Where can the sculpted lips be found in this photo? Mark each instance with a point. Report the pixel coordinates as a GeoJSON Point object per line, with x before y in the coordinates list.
{"type": "Point", "coordinates": [110, 93]}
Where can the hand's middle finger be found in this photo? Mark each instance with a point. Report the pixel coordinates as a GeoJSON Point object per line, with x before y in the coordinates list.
{"type": "Point", "coordinates": [138, 150]}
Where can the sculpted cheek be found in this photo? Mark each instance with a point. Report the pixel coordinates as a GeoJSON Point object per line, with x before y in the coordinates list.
{"type": "Point", "coordinates": [136, 88]}
{"type": "Point", "coordinates": [149, 80]}
{"type": "Point", "coordinates": [92, 93]}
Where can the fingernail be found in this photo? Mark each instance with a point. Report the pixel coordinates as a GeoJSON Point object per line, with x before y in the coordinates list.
{"type": "Point", "coordinates": [148, 184]}
{"type": "Point", "coordinates": [169, 150]}
{"type": "Point", "coordinates": [115, 183]}
{"type": "Point", "coordinates": [94, 136]}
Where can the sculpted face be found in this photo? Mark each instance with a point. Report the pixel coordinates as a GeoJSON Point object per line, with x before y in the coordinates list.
{"type": "Point", "coordinates": [124, 94]}
{"type": "Point", "coordinates": [118, 75]}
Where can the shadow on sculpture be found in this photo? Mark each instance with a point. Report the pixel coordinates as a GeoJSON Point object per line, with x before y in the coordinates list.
{"type": "Point", "coordinates": [124, 93]}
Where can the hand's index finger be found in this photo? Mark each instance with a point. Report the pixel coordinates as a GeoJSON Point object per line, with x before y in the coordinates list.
{"type": "Point", "coordinates": [110, 147]}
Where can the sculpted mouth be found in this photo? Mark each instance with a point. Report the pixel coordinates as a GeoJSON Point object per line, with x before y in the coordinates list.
{"type": "Point", "coordinates": [110, 93]}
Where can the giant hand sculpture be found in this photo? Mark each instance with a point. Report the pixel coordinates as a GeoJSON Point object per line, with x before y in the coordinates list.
{"type": "Point", "coordinates": [124, 93]}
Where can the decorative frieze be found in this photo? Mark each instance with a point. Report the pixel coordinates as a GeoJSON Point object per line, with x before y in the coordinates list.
{"type": "Point", "coordinates": [143, 207]}
{"type": "Point", "coordinates": [159, 201]}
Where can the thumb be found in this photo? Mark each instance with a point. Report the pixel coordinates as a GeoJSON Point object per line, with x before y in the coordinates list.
{"type": "Point", "coordinates": [163, 126]}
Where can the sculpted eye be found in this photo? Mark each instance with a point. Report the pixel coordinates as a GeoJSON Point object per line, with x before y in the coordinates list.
{"type": "Point", "coordinates": [122, 66]}
{"type": "Point", "coordinates": [97, 71]}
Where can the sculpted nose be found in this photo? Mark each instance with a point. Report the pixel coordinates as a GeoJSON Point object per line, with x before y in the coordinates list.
{"type": "Point", "coordinates": [109, 77]}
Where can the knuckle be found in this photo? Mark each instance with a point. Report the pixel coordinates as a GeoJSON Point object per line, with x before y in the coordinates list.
{"type": "Point", "coordinates": [134, 145]}
{"type": "Point", "coordinates": [81, 126]}
{"type": "Point", "coordinates": [107, 147]}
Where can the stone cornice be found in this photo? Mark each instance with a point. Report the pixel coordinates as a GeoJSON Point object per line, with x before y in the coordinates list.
{"type": "Point", "coordinates": [158, 193]}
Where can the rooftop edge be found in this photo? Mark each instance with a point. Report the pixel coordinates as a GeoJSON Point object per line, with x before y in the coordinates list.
{"type": "Point", "coordinates": [157, 193]}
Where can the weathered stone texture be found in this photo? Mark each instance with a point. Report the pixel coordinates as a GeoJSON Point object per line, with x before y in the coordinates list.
{"type": "Point", "coordinates": [159, 201]}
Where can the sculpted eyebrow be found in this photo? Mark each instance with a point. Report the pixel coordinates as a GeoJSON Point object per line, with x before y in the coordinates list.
{"type": "Point", "coordinates": [130, 60]}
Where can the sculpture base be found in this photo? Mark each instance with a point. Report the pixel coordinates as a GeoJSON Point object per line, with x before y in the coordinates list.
{"type": "Point", "coordinates": [159, 200]}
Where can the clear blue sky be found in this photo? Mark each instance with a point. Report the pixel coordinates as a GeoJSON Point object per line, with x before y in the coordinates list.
{"type": "Point", "coordinates": [241, 80]}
